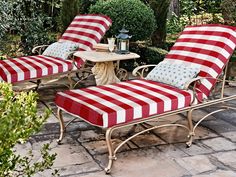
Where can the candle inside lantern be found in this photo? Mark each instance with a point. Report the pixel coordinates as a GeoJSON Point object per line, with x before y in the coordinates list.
{"type": "Point", "coordinates": [123, 45]}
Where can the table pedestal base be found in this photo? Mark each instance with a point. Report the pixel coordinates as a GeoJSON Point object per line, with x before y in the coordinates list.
{"type": "Point", "coordinates": [104, 73]}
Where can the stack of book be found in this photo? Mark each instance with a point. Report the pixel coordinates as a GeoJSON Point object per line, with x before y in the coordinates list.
{"type": "Point", "coordinates": [101, 47]}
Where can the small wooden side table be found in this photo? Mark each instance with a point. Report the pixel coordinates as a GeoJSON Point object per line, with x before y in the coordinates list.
{"type": "Point", "coordinates": [104, 68]}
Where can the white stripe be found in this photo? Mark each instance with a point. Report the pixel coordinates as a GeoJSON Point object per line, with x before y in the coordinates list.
{"type": "Point", "coordinates": [209, 37]}
{"type": "Point", "coordinates": [138, 108]}
{"type": "Point", "coordinates": [211, 28]}
{"type": "Point", "coordinates": [54, 66]}
{"type": "Point", "coordinates": [103, 113]}
{"type": "Point", "coordinates": [122, 99]}
{"type": "Point", "coordinates": [167, 105]}
{"type": "Point", "coordinates": [81, 37]}
{"type": "Point", "coordinates": [92, 24]}
{"type": "Point", "coordinates": [19, 72]}
{"type": "Point", "coordinates": [43, 67]}
{"type": "Point", "coordinates": [200, 56]}
{"type": "Point", "coordinates": [119, 110]}
{"type": "Point", "coordinates": [8, 74]}
{"type": "Point", "coordinates": [180, 97]}
{"type": "Point", "coordinates": [32, 70]}
{"type": "Point", "coordinates": [94, 17]}
{"type": "Point", "coordinates": [65, 66]}
{"type": "Point", "coordinates": [89, 31]}
{"type": "Point", "coordinates": [205, 46]}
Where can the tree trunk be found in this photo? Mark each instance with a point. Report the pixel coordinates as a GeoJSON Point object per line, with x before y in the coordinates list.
{"type": "Point", "coordinates": [174, 7]}
{"type": "Point", "coordinates": [161, 8]}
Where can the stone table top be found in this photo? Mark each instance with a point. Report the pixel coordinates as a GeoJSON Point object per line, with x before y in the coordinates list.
{"type": "Point", "coordinates": [95, 56]}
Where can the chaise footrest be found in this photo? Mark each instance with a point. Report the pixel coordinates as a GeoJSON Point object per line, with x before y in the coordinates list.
{"type": "Point", "coordinates": [109, 105]}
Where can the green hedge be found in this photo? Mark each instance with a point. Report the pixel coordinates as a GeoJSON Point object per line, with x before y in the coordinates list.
{"type": "Point", "coordinates": [137, 17]}
{"type": "Point", "coordinates": [148, 55]}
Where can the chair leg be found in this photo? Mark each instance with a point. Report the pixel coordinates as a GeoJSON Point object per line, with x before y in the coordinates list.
{"type": "Point", "coordinates": [111, 156]}
{"type": "Point", "coordinates": [70, 81]}
{"type": "Point", "coordinates": [62, 125]}
{"type": "Point", "coordinates": [191, 130]}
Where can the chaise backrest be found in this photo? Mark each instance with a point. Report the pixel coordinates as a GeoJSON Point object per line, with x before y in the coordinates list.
{"type": "Point", "coordinates": [208, 47]}
{"type": "Point", "coordinates": [87, 30]}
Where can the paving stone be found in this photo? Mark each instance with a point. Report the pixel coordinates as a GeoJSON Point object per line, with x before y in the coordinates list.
{"type": "Point", "coordinates": [230, 135]}
{"type": "Point", "coordinates": [196, 149]}
{"type": "Point", "coordinates": [227, 158]}
{"type": "Point", "coordinates": [196, 164]}
{"type": "Point", "coordinates": [144, 162]}
{"type": "Point", "coordinates": [76, 170]}
{"type": "Point", "coordinates": [219, 126]}
{"type": "Point", "coordinates": [100, 147]}
{"type": "Point", "coordinates": [219, 144]}
{"type": "Point", "coordinates": [146, 140]}
{"type": "Point", "coordinates": [179, 134]}
{"type": "Point", "coordinates": [172, 134]}
{"type": "Point", "coordinates": [218, 173]}
{"type": "Point", "coordinates": [126, 131]}
{"type": "Point", "coordinates": [93, 174]}
{"type": "Point", "coordinates": [90, 135]}
{"type": "Point", "coordinates": [198, 114]}
{"type": "Point", "coordinates": [172, 151]}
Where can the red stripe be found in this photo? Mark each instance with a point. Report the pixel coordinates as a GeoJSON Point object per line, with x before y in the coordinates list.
{"type": "Point", "coordinates": [26, 71]}
{"type": "Point", "coordinates": [14, 76]}
{"type": "Point", "coordinates": [208, 42]}
{"type": "Point", "coordinates": [211, 53]}
{"type": "Point", "coordinates": [91, 20]}
{"type": "Point", "coordinates": [173, 98]}
{"type": "Point", "coordinates": [182, 92]}
{"type": "Point", "coordinates": [129, 115]}
{"type": "Point", "coordinates": [2, 73]}
{"type": "Point", "coordinates": [79, 109]}
{"type": "Point", "coordinates": [58, 62]}
{"type": "Point", "coordinates": [83, 33]}
{"type": "Point", "coordinates": [32, 64]}
{"type": "Point", "coordinates": [210, 33]}
{"type": "Point", "coordinates": [111, 112]}
{"type": "Point", "coordinates": [85, 27]}
{"type": "Point", "coordinates": [99, 15]}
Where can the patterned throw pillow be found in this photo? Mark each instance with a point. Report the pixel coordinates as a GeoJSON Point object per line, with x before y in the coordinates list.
{"type": "Point", "coordinates": [61, 49]}
{"type": "Point", "coordinates": [173, 74]}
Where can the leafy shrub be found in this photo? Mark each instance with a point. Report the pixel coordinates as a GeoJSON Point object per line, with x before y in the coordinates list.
{"type": "Point", "coordinates": [176, 24]}
{"type": "Point", "coordinates": [148, 55]}
{"type": "Point", "coordinates": [136, 16]}
{"type": "Point", "coordinates": [18, 121]}
{"type": "Point", "coordinates": [26, 19]}
{"type": "Point", "coordinates": [154, 55]}
{"type": "Point", "coordinates": [229, 11]}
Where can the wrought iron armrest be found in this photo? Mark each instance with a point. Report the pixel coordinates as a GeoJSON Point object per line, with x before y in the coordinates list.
{"type": "Point", "coordinates": [39, 49]}
{"type": "Point", "coordinates": [198, 79]}
{"type": "Point", "coordinates": [143, 68]}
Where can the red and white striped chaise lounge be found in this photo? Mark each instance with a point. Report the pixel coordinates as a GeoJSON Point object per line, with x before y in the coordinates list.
{"type": "Point", "coordinates": [207, 47]}
{"type": "Point", "coordinates": [84, 30]}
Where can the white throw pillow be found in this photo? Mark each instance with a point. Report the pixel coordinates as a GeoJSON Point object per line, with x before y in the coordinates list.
{"type": "Point", "coordinates": [173, 74]}
{"type": "Point", "coordinates": [61, 49]}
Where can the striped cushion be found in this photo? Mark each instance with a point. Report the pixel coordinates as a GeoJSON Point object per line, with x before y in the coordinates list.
{"type": "Point", "coordinates": [30, 67]}
{"type": "Point", "coordinates": [207, 46]}
{"type": "Point", "coordinates": [123, 102]}
{"type": "Point", "coordinates": [87, 30]}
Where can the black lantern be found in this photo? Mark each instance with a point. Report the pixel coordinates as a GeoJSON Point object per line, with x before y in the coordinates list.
{"type": "Point", "coordinates": [123, 41]}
